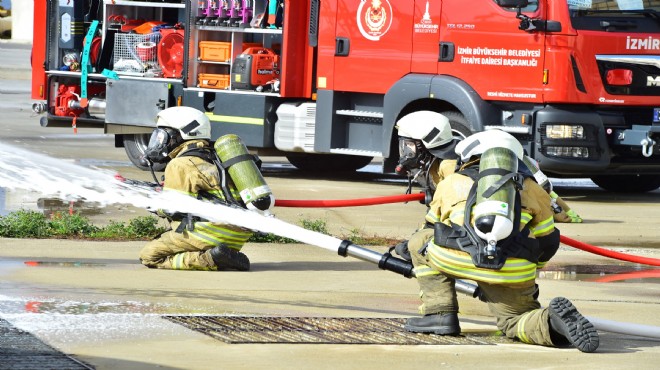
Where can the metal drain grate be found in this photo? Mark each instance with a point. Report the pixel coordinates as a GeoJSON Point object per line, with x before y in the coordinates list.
{"type": "Point", "coordinates": [22, 350]}
{"type": "Point", "coordinates": [321, 330]}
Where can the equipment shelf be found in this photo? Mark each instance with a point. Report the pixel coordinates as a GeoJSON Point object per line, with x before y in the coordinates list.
{"type": "Point", "coordinates": [148, 4]}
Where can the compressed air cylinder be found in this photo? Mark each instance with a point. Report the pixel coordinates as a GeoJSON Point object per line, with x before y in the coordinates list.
{"type": "Point", "coordinates": [494, 215]}
{"type": "Point", "coordinates": [244, 172]}
{"type": "Point", "coordinates": [539, 176]}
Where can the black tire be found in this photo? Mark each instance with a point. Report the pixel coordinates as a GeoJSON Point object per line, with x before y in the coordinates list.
{"type": "Point", "coordinates": [328, 162]}
{"type": "Point", "coordinates": [135, 145]}
{"type": "Point", "coordinates": [628, 183]}
{"type": "Point", "coordinates": [459, 125]}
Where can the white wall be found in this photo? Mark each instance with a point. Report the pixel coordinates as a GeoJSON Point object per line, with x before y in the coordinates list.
{"type": "Point", "coordinates": [21, 20]}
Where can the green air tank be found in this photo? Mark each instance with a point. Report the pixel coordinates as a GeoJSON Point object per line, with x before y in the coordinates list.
{"type": "Point", "coordinates": [243, 171]}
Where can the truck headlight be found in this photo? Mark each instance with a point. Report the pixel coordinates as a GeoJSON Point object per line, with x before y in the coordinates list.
{"type": "Point", "coordinates": [567, 151]}
{"type": "Point", "coordinates": [564, 132]}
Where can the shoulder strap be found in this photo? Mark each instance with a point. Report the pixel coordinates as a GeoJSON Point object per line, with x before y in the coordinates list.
{"type": "Point", "coordinates": [205, 153]}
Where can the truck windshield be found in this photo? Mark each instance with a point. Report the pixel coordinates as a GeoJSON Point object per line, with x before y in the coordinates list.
{"type": "Point", "coordinates": [615, 15]}
{"type": "Point", "coordinates": [587, 8]}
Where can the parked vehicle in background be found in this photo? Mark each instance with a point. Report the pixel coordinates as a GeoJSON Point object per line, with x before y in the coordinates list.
{"type": "Point", "coordinates": [324, 83]}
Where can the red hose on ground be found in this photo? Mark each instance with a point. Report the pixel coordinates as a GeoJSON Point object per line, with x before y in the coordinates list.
{"type": "Point", "coordinates": [608, 253]}
{"type": "Point", "coordinates": [644, 274]}
{"type": "Point", "coordinates": [349, 202]}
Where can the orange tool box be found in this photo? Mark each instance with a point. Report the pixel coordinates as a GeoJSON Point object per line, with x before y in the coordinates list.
{"type": "Point", "coordinates": [213, 81]}
{"type": "Point", "coordinates": [214, 51]}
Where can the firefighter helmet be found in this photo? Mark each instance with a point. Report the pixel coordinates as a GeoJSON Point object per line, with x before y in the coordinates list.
{"type": "Point", "coordinates": [190, 122]}
{"type": "Point", "coordinates": [477, 144]}
{"type": "Point", "coordinates": [431, 128]}
{"type": "Point", "coordinates": [173, 126]}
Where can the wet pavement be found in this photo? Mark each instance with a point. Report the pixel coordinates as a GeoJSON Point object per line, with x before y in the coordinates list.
{"type": "Point", "coordinates": [95, 302]}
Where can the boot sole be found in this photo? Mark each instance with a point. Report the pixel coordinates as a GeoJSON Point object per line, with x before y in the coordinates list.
{"type": "Point", "coordinates": [439, 330]}
{"type": "Point", "coordinates": [572, 325]}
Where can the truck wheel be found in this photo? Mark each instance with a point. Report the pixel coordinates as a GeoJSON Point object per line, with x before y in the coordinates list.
{"type": "Point", "coordinates": [459, 125]}
{"type": "Point", "coordinates": [328, 162]}
{"type": "Point", "coordinates": [628, 183]}
{"type": "Point", "coordinates": [135, 145]}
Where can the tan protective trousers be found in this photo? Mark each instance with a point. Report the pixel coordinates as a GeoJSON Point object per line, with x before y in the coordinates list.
{"type": "Point", "coordinates": [517, 311]}
{"type": "Point", "coordinates": [177, 251]}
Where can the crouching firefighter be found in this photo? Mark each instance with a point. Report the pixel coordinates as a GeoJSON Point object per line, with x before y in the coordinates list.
{"type": "Point", "coordinates": [222, 173]}
{"type": "Point", "coordinates": [492, 227]}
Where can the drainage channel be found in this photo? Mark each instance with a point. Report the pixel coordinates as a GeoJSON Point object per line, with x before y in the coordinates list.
{"type": "Point", "coordinates": [322, 330]}
{"type": "Point", "coordinates": [21, 350]}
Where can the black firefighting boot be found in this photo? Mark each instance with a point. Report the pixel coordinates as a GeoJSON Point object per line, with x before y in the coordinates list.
{"type": "Point", "coordinates": [442, 324]}
{"type": "Point", "coordinates": [567, 322]}
{"type": "Point", "coordinates": [227, 258]}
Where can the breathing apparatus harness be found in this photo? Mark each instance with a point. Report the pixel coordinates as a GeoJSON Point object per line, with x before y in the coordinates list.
{"type": "Point", "coordinates": [465, 238]}
{"type": "Point", "coordinates": [210, 156]}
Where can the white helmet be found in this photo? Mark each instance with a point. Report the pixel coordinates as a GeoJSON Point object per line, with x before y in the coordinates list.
{"type": "Point", "coordinates": [190, 122]}
{"type": "Point", "coordinates": [174, 126]}
{"type": "Point", "coordinates": [478, 143]}
{"type": "Point", "coordinates": [431, 128]}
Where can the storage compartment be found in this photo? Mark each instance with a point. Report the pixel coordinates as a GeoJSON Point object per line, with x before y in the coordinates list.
{"type": "Point", "coordinates": [214, 51]}
{"type": "Point", "coordinates": [295, 127]}
{"type": "Point", "coordinates": [213, 81]}
{"type": "Point", "coordinates": [136, 102]}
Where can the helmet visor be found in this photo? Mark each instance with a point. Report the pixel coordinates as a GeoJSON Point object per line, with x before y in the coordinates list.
{"type": "Point", "coordinates": [410, 156]}
{"type": "Point", "coordinates": [157, 150]}
{"type": "Point", "coordinates": [407, 148]}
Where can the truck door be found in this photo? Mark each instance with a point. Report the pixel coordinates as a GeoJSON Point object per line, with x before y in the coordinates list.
{"type": "Point", "coordinates": [490, 52]}
{"type": "Point", "coordinates": [373, 44]}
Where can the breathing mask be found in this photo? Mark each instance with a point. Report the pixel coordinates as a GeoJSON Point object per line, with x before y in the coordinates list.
{"type": "Point", "coordinates": [162, 141]}
{"type": "Point", "coordinates": [412, 156]}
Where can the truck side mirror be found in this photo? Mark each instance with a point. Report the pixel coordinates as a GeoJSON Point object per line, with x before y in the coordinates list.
{"type": "Point", "coordinates": [512, 3]}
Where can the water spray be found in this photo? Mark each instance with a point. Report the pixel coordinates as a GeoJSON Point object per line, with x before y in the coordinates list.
{"type": "Point", "coordinates": [21, 169]}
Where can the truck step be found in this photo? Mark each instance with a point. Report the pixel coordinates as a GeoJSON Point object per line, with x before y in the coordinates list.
{"type": "Point", "coordinates": [359, 113]}
{"type": "Point", "coordinates": [365, 153]}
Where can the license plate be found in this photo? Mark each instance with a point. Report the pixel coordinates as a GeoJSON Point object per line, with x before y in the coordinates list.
{"type": "Point", "coordinates": [656, 115]}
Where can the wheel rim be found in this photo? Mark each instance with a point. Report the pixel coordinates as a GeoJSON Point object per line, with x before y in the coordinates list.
{"type": "Point", "coordinates": [141, 142]}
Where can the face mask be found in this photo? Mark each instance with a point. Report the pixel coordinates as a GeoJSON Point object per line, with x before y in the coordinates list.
{"type": "Point", "coordinates": [410, 156]}
{"type": "Point", "coordinates": [159, 145]}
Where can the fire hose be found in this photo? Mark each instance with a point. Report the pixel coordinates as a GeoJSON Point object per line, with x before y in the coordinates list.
{"type": "Point", "coordinates": [348, 202]}
{"type": "Point", "coordinates": [608, 253]}
{"type": "Point", "coordinates": [420, 197]}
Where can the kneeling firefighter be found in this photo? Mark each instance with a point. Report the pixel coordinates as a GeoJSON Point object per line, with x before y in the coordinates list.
{"type": "Point", "coordinates": [495, 228]}
{"type": "Point", "coordinates": [222, 173]}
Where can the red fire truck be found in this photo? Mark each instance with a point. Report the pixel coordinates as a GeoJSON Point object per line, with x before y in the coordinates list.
{"type": "Point", "coordinates": [324, 82]}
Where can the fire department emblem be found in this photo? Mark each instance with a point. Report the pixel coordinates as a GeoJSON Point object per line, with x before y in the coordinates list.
{"type": "Point", "coordinates": [374, 18]}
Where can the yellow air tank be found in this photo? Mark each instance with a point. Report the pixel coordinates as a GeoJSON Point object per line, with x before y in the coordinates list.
{"type": "Point", "coordinates": [494, 215]}
{"type": "Point", "coordinates": [243, 171]}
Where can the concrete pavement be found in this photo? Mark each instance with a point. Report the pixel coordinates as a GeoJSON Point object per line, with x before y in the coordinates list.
{"type": "Point", "coordinates": [286, 280]}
